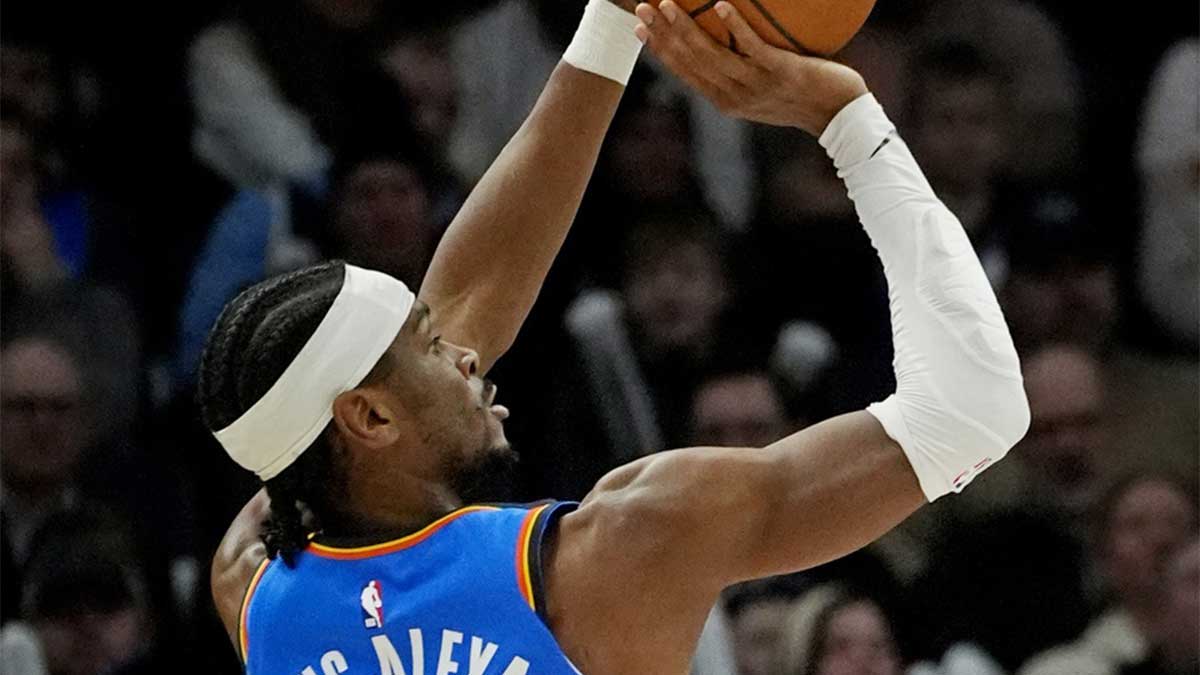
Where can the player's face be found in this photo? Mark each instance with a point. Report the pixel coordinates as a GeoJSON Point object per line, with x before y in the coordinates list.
{"type": "Point", "coordinates": [452, 407]}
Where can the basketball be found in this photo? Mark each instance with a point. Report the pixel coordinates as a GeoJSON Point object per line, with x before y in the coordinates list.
{"type": "Point", "coordinates": [820, 27]}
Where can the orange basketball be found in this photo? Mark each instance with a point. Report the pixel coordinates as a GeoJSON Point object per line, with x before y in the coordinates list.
{"type": "Point", "coordinates": [820, 27]}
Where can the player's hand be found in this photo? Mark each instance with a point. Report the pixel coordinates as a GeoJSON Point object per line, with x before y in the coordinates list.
{"type": "Point", "coordinates": [627, 5]}
{"type": "Point", "coordinates": [762, 83]}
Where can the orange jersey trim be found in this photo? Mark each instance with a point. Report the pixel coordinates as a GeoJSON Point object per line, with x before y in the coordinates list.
{"type": "Point", "coordinates": [243, 634]}
{"type": "Point", "coordinates": [413, 539]}
{"type": "Point", "coordinates": [524, 578]}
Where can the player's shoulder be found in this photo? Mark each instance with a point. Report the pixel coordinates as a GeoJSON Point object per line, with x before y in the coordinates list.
{"type": "Point", "coordinates": [238, 558]}
{"type": "Point", "coordinates": [669, 513]}
{"type": "Point", "coordinates": [635, 509]}
{"type": "Point", "coordinates": [626, 555]}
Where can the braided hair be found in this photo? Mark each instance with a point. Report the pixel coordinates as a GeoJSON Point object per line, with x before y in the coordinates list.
{"type": "Point", "coordinates": [256, 337]}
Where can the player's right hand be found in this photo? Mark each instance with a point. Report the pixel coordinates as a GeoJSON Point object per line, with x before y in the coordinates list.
{"type": "Point", "coordinates": [760, 82]}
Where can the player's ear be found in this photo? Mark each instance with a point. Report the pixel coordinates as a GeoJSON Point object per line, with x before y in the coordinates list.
{"type": "Point", "coordinates": [367, 417]}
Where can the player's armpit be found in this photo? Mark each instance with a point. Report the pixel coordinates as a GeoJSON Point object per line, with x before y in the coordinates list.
{"type": "Point", "coordinates": [716, 516]}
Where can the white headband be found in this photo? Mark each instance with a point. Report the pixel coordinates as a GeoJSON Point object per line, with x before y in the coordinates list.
{"type": "Point", "coordinates": [363, 321]}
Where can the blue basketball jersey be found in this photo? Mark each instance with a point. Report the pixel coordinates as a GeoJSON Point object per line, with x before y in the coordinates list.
{"type": "Point", "coordinates": [461, 596]}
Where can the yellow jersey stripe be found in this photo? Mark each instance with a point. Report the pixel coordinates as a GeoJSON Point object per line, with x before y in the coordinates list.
{"type": "Point", "coordinates": [396, 544]}
{"type": "Point", "coordinates": [524, 578]}
{"type": "Point", "coordinates": [243, 637]}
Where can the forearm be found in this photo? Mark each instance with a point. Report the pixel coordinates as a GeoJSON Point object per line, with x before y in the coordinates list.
{"type": "Point", "coordinates": [490, 264]}
{"type": "Point", "coordinates": [959, 404]}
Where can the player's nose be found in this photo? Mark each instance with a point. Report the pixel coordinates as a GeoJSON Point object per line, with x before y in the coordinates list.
{"type": "Point", "coordinates": [466, 360]}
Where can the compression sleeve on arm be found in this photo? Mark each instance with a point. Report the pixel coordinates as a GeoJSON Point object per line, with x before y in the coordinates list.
{"type": "Point", "coordinates": [959, 404]}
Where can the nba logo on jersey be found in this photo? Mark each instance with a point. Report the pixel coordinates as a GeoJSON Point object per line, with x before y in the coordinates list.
{"type": "Point", "coordinates": [372, 604]}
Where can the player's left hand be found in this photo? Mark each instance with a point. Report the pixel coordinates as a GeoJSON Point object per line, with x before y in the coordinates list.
{"type": "Point", "coordinates": [762, 83]}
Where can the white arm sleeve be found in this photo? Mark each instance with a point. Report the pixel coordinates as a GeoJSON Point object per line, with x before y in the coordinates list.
{"type": "Point", "coordinates": [960, 403]}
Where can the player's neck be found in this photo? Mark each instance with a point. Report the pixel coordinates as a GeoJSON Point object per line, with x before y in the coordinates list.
{"type": "Point", "coordinates": [397, 506]}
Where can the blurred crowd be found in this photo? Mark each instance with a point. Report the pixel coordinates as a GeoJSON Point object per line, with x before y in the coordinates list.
{"type": "Point", "coordinates": [716, 290]}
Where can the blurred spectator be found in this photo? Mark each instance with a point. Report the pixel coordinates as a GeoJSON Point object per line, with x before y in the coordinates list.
{"type": "Point", "coordinates": [382, 212]}
{"type": "Point", "coordinates": [31, 257]}
{"type": "Point", "coordinates": [46, 265]}
{"type": "Point", "coordinates": [1061, 463]}
{"type": "Point", "coordinates": [1044, 107]}
{"type": "Point", "coordinates": [1173, 644]}
{"type": "Point", "coordinates": [640, 352]}
{"type": "Point", "coordinates": [1059, 467]}
{"type": "Point", "coordinates": [99, 328]}
{"type": "Point", "coordinates": [880, 52]}
{"type": "Point", "coordinates": [1000, 588]}
{"type": "Point", "coordinates": [647, 160]}
{"type": "Point", "coordinates": [798, 183]}
{"type": "Point", "coordinates": [278, 89]}
{"type": "Point", "coordinates": [64, 170]}
{"type": "Point", "coordinates": [49, 217]}
{"type": "Point", "coordinates": [500, 86]}
{"type": "Point", "coordinates": [33, 81]}
{"type": "Point", "coordinates": [1142, 521]}
{"type": "Point", "coordinates": [1067, 445]}
{"type": "Point", "coordinates": [773, 632]}
{"type": "Point", "coordinates": [958, 104]}
{"type": "Point", "coordinates": [380, 216]}
{"type": "Point", "coordinates": [47, 427]}
{"type": "Point", "coordinates": [760, 610]}
{"type": "Point", "coordinates": [676, 286]}
{"type": "Point", "coordinates": [52, 91]}
{"type": "Point", "coordinates": [71, 431]}
{"type": "Point", "coordinates": [1062, 285]}
{"type": "Point", "coordinates": [832, 630]}
{"type": "Point", "coordinates": [815, 264]}
{"type": "Point", "coordinates": [86, 598]}
{"type": "Point", "coordinates": [421, 63]}
{"type": "Point", "coordinates": [1168, 160]}
{"type": "Point", "coordinates": [739, 410]}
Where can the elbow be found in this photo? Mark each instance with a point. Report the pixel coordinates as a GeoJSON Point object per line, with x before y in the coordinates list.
{"type": "Point", "coordinates": [1008, 417]}
{"type": "Point", "coordinates": [1018, 417]}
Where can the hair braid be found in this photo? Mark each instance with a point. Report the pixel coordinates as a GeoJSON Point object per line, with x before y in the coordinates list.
{"type": "Point", "coordinates": [257, 336]}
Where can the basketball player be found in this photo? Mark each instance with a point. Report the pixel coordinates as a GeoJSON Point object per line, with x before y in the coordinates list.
{"type": "Point", "coordinates": [362, 408]}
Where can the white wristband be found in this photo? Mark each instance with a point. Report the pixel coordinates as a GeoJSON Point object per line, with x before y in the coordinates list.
{"type": "Point", "coordinates": [604, 43]}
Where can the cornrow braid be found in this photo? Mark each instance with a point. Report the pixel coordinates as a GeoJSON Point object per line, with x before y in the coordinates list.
{"type": "Point", "coordinates": [257, 336]}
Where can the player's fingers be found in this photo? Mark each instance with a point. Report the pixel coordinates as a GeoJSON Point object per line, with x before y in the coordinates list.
{"type": "Point", "coordinates": [748, 42]}
{"type": "Point", "coordinates": [712, 56]}
{"type": "Point", "coordinates": [679, 62]}
{"type": "Point", "coordinates": [669, 46]}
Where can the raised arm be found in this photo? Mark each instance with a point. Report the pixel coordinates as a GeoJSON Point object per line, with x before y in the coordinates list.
{"type": "Point", "coordinates": [715, 516]}
{"type": "Point", "coordinates": [489, 266]}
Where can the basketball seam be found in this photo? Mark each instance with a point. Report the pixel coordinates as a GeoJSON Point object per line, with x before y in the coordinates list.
{"type": "Point", "coordinates": [695, 13]}
{"type": "Point", "coordinates": [778, 26]}
{"type": "Point", "coordinates": [703, 8]}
